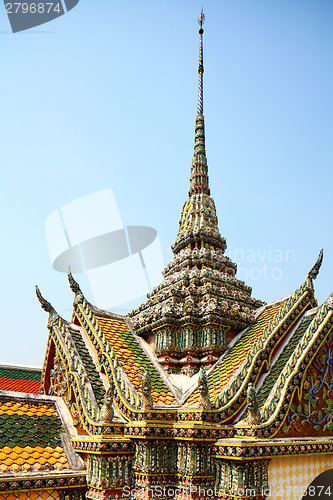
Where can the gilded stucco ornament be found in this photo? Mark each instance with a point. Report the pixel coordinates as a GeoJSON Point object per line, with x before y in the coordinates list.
{"type": "Point", "coordinates": [58, 379]}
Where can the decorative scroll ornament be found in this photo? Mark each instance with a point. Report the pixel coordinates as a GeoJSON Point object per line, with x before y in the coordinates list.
{"type": "Point", "coordinates": [313, 409]}
{"type": "Point", "coordinates": [204, 400]}
{"type": "Point", "coordinates": [107, 411]}
{"type": "Point", "coordinates": [58, 379]}
{"type": "Point", "coordinates": [147, 400]}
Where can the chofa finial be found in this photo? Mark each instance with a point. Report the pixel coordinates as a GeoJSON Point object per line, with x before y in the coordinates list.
{"type": "Point", "coordinates": [53, 315]}
{"type": "Point", "coordinates": [75, 287]}
{"type": "Point", "coordinates": [315, 269]}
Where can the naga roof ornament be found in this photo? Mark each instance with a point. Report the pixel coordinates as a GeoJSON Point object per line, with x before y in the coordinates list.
{"type": "Point", "coordinates": [54, 318]}
{"type": "Point", "coordinates": [200, 305]}
{"type": "Point", "coordinates": [315, 269]}
{"type": "Point", "coordinates": [75, 287]}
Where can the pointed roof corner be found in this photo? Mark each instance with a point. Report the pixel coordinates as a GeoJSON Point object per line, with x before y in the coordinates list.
{"type": "Point", "coordinates": [313, 273]}
{"type": "Point", "coordinates": [75, 287]}
{"type": "Point", "coordinates": [54, 317]}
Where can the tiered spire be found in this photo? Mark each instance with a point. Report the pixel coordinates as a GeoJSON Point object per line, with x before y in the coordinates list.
{"type": "Point", "coordinates": [199, 305]}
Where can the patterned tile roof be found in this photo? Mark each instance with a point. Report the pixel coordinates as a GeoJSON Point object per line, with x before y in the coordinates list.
{"type": "Point", "coordinates": [220, 376]}
{"type": "Point", "coordinates": [133, 359]}
{"type": "Point", "coordinates": [29, 437]}
{"type": "Point", "coordinates": [20, 379]}
{"type": "Point", "coordinates": [282, 360]}
{"type": "Point", "coordinates": [31, 495]}
{"type": "Point", "coordinates": [94, 378]}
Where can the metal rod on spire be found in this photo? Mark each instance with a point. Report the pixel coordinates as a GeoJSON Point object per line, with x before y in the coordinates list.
{"type": "Point", "coordinates": [201, 21]}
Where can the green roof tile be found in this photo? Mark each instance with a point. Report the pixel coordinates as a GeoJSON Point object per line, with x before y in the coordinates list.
{"type": "Point", "coordinates": [282, 360]}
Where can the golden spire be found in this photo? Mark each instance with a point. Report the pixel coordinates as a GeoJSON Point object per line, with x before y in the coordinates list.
{"type": "Point", "coordinates": [201, 21]}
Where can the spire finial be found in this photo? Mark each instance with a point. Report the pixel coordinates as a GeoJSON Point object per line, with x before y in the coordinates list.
{"type": "Point", "coordinates": [201, 21]}
{"type": "Point", "coordinates": [199, 172]}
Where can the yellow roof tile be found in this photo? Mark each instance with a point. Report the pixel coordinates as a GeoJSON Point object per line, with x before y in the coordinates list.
{"type": "Point", "coordinates": [127, 351]}
{"type": "Point", "coordinates": [59, 466]}
{"type": "Point", "coordinates": [232, 361]}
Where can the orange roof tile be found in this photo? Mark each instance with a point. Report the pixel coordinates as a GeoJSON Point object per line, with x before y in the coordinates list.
{"type": "Point", "coordinates": [29, 437]}
{"type": "Point", "coordinates": [133, 359]}
{"type": "Point", "coordinates": [31, 386]}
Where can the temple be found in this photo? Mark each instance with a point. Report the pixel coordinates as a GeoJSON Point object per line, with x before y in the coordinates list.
{"type": "Point", "coordinates": [200, 392]}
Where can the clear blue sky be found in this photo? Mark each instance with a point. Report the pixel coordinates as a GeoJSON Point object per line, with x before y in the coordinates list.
{"type": "Point", "coordinates": [105, 96]}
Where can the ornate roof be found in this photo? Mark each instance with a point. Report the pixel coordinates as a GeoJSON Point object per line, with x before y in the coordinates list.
{"type": "Point", "coordinates": [135, 423]}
